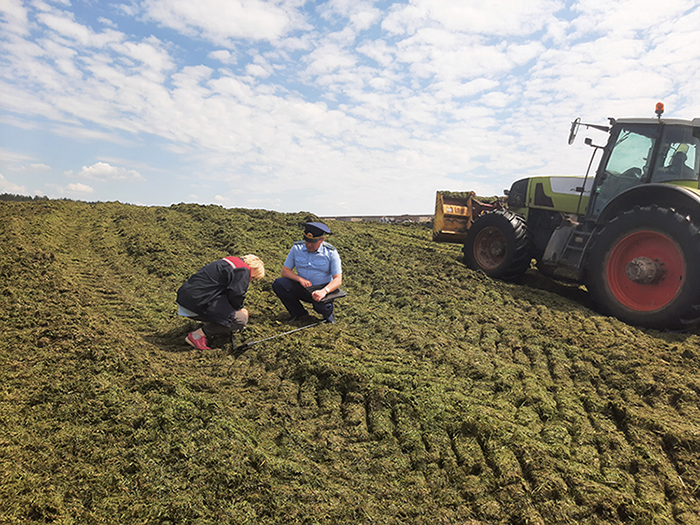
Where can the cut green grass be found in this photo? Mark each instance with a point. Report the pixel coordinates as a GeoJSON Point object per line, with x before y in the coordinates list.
{"type": "Point", "coordinates": [439, 396]}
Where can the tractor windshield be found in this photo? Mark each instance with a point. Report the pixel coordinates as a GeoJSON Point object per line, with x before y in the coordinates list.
{"type": "Point", "coordinates": [627, 163]}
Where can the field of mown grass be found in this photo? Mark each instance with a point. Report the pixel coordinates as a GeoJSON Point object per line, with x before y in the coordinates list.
{"type": "Point", "coordinates": [439, 397]}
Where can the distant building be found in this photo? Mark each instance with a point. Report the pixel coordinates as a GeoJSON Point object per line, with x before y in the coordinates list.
{"type": "Point", "coordinates": [386, 219]}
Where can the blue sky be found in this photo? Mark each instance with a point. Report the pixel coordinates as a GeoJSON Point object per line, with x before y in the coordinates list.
{"type": "Point", "coordinates": [342, 107]}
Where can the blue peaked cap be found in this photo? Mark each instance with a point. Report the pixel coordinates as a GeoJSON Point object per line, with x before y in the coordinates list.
{"type": "Point", "coordinates": [313, 231]}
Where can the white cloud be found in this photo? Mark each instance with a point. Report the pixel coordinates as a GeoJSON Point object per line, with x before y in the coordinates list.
{"type": "Point", "coordinates": [360, 14]}
{"type": "Point", "coordinates": [493, 18]}
{"type": "Point", "coordinates": [105, 21]}
{"type": "Point", "coordinates": [89, 134]}
{"type": "Point", "coordinates": [14, 157]}
{"type": "Point", "coordinates": [224, 56]}
{"type": "Point", "coordinates": [260, 68]}
{"type": "Point", "coordinates": [221, 200]}
{"type": "Point", "coordinates": [79, 188]}
{"type": "Point", "coordinates": [30, 168]}
{"type": "Point", "coordinates": [267, 204]}
{"type": "Point", "coordinates": [13, 17]}
{"type": "Point", "coordinates": [627, 16]}
{"type": "Point", "coordinates": [377, 50]}
{"type": "Point", "coordinates": [64, 25]}
{"type": "Point", "coordinates": [101, 171]}
{"type": "Point", "coordinates": [150, 53]}
{"type": "Point", "coordinates": [329, 58]}
{"type": "Point", "coordinates": [220, 21]}
{"type": "Point", "coordinates": [9, 187]}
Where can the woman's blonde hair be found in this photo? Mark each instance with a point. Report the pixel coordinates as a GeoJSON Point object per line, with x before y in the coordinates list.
{"type": "Point", "coordinates": [257, 268]}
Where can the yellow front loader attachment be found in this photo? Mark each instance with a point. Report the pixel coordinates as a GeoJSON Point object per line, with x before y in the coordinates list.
{"type": "Point", "coordinates": [454, 214]}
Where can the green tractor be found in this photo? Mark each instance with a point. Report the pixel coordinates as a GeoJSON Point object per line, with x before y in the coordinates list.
{"type": "Point", "coordinates": [631, 233]}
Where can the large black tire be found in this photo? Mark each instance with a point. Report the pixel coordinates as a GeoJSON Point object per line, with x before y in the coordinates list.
{"type": "Point", "coordinates": [666, 294]}
{"type": "Point", "coordinates": [498, 244]}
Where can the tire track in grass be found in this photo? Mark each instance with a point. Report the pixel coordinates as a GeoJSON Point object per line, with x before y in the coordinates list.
{"type": "Point", "coordinates": [556, 418]}
{"type": "Point", "coordinates": [600, 390]}
{"type": "Point", "coordinates": [89, 266]}
{"type": "Point", "coordinates": [568, 403]}
{"type": "Point", "coordinates": [429, 452]}
{"type": "Point", "coordinates": [493, 449]}
{"type": "Point", "coordinates": [578, 419]}
{"type": "Point", "coordinates": [618, 441]}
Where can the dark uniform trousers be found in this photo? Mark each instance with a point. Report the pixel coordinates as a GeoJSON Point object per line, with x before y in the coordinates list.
{"type": "Point", "coordinates": [291, 293]}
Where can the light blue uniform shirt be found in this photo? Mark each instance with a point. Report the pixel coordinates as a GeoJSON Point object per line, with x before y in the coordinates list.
{"type": "Point", "coordinates": [319, 267]}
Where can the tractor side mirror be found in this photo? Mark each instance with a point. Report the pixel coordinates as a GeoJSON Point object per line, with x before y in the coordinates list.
{"type": "Point", "coordinates": [574, 129]}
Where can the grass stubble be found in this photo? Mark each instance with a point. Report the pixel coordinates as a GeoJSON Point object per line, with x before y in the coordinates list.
{"type": "Point", "coordinates": [439, 396]}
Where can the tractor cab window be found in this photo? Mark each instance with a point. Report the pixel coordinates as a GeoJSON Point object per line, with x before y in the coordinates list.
{"type": "Point", "coordinates": [627, 164]}
{"type": "Point", "coordinates": [678, 156]}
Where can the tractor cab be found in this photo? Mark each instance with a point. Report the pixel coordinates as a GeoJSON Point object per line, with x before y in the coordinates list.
{"type": "Point", "coordinates": [645, 161]}
{"type": "Point", "coordinates": [643, 151]}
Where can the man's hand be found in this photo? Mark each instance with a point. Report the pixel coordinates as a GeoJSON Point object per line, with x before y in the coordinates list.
{"type": "Point", "coordinates": [317, 295]}
{"type": "Point", "coordinates": [289, 274]}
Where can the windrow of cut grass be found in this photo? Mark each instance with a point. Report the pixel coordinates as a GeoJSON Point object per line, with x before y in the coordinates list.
{"type": "Point", "coordinates": [439, 396]}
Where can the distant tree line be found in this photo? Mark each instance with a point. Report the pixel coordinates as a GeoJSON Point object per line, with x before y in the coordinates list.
{"type": "Point", "coordinates": [16, 198]}
{"type": "Point", "coordinates": [13, 197]}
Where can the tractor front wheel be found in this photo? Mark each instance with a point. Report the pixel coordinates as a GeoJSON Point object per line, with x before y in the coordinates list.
{"type": "Point", "coordinates": [643, 268]}
{"type": "Point", "coordinates": [498, 244]}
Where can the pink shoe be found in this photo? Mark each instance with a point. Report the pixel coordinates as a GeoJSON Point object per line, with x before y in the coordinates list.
{"type": "Point", "coordinates": [200, 343]}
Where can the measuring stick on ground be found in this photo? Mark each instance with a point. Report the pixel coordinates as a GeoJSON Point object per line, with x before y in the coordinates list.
{"type": "Point", "coordinates": [251, 343]}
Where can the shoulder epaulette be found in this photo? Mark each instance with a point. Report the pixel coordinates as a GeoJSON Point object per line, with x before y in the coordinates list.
{"type": "Point", "coordinates": [329, 246]}
{"type": "Point", "coordinates": [299, 242]}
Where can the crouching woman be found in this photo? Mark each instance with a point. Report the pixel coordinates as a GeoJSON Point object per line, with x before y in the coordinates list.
{"type": "Point", "coordinates": [215, 295]}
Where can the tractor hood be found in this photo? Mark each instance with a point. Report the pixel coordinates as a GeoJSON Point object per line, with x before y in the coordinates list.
{"type": "Point", "coordinates": [561, 193]}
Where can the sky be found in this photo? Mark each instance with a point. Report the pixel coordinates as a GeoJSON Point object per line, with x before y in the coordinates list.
{"type": "Point", "coordinates": [338, 107]}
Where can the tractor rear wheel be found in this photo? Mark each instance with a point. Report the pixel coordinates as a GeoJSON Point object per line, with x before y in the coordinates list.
{"type": "Point", "coordinates": [643, 268]}
{"type": "Point", "coordinates": [498, 244]}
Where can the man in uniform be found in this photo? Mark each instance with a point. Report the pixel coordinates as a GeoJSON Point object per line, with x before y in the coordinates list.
{"type": "Point", "coordinates": [318, 274]}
